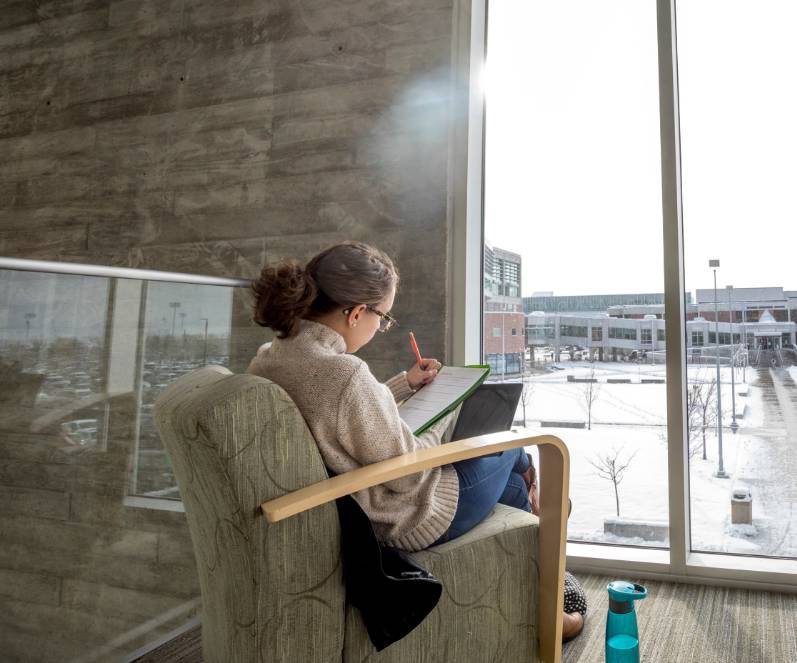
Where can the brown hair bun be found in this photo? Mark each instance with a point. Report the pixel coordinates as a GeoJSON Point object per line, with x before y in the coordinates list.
{"type": "Point", "coordinates": [343, 275]}
{"type": "Point", "coordinates": [283, 295]}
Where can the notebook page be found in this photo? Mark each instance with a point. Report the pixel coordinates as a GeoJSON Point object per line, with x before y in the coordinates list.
{"type": "Point", "coordinates": [451, 383]}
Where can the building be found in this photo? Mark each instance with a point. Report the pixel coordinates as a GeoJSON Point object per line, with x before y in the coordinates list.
{"type": "Point", "coordinates": [756, 318]}
{"type": "Point", "coordinates": [549, 303]}
{"type": "Point", "coordinates": [596, 336]}
{"type": "Point", "coordinates": [503, 321]}
{"type": "Point", "coordinates": [747, 304]}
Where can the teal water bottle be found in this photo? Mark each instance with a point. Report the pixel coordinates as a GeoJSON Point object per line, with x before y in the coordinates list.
{"type": "Point", "coordinates": [622, 635]}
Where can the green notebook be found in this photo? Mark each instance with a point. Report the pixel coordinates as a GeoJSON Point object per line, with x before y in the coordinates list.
{"type": "Point", "coordinates": [432, 402]}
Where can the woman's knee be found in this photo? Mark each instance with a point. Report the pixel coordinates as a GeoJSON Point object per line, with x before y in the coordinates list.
{"type": "Point", "coordinates": [520, 459]}
{"type": "Point", "coordinates": [485, 469]}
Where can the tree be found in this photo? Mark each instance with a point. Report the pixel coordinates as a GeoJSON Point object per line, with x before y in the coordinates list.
{"type": "Point", "coordinates": [526, 394]}
{"type": "Point", "coordinates": [707, 407]}
{"type": "Point", "coordinates": [591, 392]}
{"type": "Point", "coordinates": [612, 468]}
{"type": "Point", "coordinates": [693, 417]}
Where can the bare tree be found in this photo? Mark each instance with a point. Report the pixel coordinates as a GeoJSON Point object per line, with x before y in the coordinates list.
{"type": "Point", "coordinates": [591, 392]}
{"type": "Point", "coordinates": [693, 418]}
{"type": "Point", "coordinates": [707, 407]}
{"type": "Point", "coordinates": [612, 468]}
{"type": "Point", "coordinates": [526, 394]}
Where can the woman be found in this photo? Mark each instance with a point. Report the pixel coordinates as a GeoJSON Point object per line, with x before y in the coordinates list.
{"type": "Point", "coordinates": [322, 313]}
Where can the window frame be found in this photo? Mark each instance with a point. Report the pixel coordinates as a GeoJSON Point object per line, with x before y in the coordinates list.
{"type": "Point", "coordinates": [466, 226]}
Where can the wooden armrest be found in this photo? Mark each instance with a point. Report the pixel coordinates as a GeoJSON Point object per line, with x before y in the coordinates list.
{"type": "Point", "coordinates": [401, 466]}
{"type": "Point", "coordinates": [554, 472]}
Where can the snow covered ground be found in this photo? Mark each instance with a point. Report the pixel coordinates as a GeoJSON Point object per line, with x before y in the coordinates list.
{"type": "Point", "coordinates": [631, 419]}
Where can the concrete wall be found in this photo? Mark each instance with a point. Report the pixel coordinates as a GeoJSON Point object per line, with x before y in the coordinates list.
{"type": "Point", "coordinates": [208, 137]}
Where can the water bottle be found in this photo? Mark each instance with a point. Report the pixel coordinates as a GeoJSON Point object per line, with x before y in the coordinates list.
{"type": "Point", "coordinates": [622, 635]}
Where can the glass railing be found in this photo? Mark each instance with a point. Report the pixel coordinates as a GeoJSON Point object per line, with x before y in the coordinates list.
{"type": "Point", "coordinates": [96, 561]}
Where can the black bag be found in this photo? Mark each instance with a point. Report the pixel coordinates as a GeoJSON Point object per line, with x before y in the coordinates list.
{"type": "Point", "coordinates": [391, 591]}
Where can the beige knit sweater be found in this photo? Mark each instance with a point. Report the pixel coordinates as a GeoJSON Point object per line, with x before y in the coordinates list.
{"type": "Point", "coordinates": [355, 421]}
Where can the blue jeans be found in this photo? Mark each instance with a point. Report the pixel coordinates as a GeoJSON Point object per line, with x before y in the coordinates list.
{"type": "Point", "coordinates": [485, 481]}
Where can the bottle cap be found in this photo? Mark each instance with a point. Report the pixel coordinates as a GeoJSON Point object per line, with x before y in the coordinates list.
{"type": "Point", "coordinates": [622, 590]}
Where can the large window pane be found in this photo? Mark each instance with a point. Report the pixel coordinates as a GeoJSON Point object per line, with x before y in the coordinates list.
{"type": "Point", "coordinates": [186, 326]}
{"type": "Point", "coordinates": [574, 249]}
{"type": "Point", "coordinates": [739, 137]}
{"type": "Point", "coordinates": [96, 558]}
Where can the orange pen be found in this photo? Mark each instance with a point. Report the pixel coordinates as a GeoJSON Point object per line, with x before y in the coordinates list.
{"type": "Point", "coordinates": [416, 350]}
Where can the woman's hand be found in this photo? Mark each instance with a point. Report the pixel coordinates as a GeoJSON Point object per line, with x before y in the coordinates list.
{"type": "Point", "coordinates": [418, 375]}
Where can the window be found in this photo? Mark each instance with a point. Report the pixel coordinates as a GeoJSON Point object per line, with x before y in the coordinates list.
{"type": "Point", "coordinates": [115, 336]}
{"type": "Point", "coordinates": [59, 369]}
{"type": "Point", "coordinates": [84, 358]}
{"type": "Point", "coordinates": [646, 335]}
{"type": "Point", "coordinates": [514, 331]}
{"type": "Point", "coordinates": [497, 332]}
{"type": "Point", "coordinates": [540, 334]}
{"type": "Point", "coordinates": [590, 123]}
{"type": "Point", "coordinates": [738, 144]}
{"type": "Point", "coordinates": [696, 25]}
{"type": "Point", "coordinates": [574, 331]}
{"type": "Point", "coordinates": [185, 326]}
{"type": "Point", "coordinates": [623, 333]}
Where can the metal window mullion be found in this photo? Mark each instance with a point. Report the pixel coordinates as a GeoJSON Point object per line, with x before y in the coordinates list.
{"type": "Point", "coordinates": [466, 183]}
{"type": "Point", "coordinates": [674, 290]}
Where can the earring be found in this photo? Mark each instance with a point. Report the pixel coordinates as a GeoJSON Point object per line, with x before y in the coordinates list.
{"type": "Point", "coordinates": [354, 325]}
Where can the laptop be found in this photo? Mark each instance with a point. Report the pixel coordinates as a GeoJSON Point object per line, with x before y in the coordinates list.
{"type": "Point", "coordinates": [489, 409]}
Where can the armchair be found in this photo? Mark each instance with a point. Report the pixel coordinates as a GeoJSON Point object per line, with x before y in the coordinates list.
{"type": "Point", "coordinates": [272, 587]}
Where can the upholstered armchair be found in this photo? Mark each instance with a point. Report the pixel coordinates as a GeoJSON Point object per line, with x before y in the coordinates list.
{"type": "Point", "coordinates": [266, 536]}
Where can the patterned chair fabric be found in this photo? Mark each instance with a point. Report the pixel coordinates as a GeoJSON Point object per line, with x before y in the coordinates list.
{"type": "Point", "coordinates": [274, 592]}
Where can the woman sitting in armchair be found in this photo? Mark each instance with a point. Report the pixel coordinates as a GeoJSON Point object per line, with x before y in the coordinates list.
{"type": "Point", "coordinates": [322, 313]}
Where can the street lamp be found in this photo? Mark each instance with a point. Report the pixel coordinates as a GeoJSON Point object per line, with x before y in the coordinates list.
{"type": "Point", "coordinates": [28, 318]}
{"type": "Point", "coordinates": [182, 328]}
{"type": "Point", "coordinates": [731, 316]}
{"type": "Point", "coordinates": [746, 355]}
{"type": "Point", "coordinates": [174, 306]}
{"type": "Point", "coordinates": [503, 346]}
{"type": "Point", "coordinates": [205, 352]}
{"type": "Point", "coordinates": [720, 467]}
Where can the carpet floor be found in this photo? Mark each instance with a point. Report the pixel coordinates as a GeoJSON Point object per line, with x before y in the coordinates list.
{"type": "Point", "coordinates": [678, 623]}
{"type": "Point", "coordinates": [681, 623]}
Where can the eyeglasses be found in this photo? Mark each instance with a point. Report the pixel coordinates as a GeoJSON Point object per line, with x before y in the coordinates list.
{"type": "Point", "coordinates": [386, 321]}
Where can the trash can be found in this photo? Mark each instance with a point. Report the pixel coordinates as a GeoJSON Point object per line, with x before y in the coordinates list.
{"type": "Point", "coordinates": [741, 506]}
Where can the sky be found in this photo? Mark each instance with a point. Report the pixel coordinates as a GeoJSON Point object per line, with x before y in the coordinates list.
{"type": "Point", "coordinates": [573, 175]}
